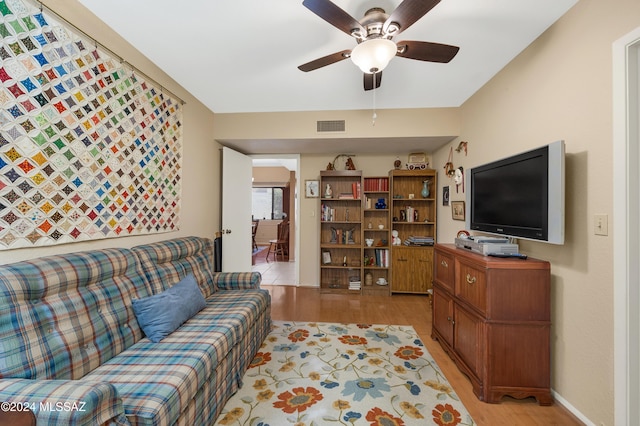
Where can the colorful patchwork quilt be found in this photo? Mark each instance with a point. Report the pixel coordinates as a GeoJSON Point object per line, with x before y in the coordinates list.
{"type": "Point", "coordinates": [88, 148]}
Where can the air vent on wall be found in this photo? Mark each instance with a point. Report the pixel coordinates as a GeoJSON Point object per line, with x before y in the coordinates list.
{"type": "Point", "coordinates": [330, 126]}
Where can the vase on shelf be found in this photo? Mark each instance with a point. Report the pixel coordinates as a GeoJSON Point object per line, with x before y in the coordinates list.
{"type": "Point", "coordinates": [425, 188]}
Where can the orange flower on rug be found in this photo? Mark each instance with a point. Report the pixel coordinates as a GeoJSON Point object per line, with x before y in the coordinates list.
{"type": "Point", "coordinates": [344, 374]}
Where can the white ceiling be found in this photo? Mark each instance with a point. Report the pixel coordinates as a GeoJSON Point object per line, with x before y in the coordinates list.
{"type": "Point", "coordinates": [242, 55]}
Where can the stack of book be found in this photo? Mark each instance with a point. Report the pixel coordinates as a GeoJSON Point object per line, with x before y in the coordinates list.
{"type": "Point", "coordinates": [416, 240]}
{"type": "Point", "coordinates": [354, 283]}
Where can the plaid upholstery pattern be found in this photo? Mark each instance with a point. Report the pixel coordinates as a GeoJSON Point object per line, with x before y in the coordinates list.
{"type": "Point", "coordinates": [157, 381]}
{"type": "Point", "coordinates": [66, 402]}
{"type": "Point", "coordinates": [199, 349]}
{"type": "Point", "coordinates": [63, 316]}
{"type": "Point", "coordinates": [69, 317]}
{"type": "Point", "coordinates": [167, 262]}
{"type": "Point", "coordinates": [237, 280]}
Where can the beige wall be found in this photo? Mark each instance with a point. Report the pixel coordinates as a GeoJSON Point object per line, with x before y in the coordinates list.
{"type": "Point", "coordinates": [270, 176]}
{"type": "Point", "coordinates": [390, 123]}
{"type": "Point", "coordinates": [200, 211]}
{"type": "Point", "coordinates": [561, 88]}
{"type": "Point", "coordinates": [558, 88]}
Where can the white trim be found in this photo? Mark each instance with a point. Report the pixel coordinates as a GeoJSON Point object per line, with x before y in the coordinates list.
{"type": "Point", "coordinates": [573, 410]}
{"type": "Point", "coordinates": [626, 199]}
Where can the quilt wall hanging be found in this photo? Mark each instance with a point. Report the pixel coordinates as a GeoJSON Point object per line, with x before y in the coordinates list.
{"type": "Point", "coordinates": [88, 149]}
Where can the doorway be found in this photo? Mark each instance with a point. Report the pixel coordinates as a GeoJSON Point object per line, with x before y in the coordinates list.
{"type": "Point", "coordinates": [626, 198]}
{"type": "Point", "coordinates": [276, 193]}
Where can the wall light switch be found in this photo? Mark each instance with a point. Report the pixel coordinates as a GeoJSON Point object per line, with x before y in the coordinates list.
{"type": "Point", "coordinates": [601, 224]}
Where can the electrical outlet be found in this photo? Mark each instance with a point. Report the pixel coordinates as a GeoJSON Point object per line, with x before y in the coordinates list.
{"type": "Point", "coordinates": [601, 224]}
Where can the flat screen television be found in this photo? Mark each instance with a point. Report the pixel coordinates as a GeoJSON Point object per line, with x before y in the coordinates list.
{"type": "Point", "coordinates": [521, 196]}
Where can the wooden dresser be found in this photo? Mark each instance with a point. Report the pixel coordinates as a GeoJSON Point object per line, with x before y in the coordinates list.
{"type": "Point", "coordinates": [492, 316]}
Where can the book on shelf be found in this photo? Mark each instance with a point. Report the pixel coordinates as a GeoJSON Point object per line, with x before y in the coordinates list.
{"type": "Point", "coordinates": [327, 214]}
{"type": "Point", "coordinates": [355, 190]}
{"type": "Point", "coordinates": [376, 184]}
{"type": "Point", "coordinates": [382, 258]}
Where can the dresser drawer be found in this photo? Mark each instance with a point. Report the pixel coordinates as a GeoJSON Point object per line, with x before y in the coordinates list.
{"type": "Point", "coordinates": [471, 286]}
{"type": "Point", "coordinates": [444, 268]}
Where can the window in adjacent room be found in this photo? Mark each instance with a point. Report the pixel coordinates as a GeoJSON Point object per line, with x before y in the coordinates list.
{"type": "Point", "coordinates": [267, 203]}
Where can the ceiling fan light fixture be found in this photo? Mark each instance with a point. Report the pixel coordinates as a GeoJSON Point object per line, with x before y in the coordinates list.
{"type": "Point", "coordinates": [373, 55]}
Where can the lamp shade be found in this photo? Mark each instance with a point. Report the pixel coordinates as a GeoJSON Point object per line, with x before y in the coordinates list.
{"type": "Point", "coordinates": [373, 55]}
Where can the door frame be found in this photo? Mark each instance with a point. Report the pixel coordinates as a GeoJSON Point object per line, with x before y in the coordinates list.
{"type": "Point", "coordinates": [296, 197]}
{"type": "Point", "coordinates": [626, 232]}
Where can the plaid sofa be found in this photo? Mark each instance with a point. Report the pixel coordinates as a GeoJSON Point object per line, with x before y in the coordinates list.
{"type": "Point", "coordinates": [71, 349]}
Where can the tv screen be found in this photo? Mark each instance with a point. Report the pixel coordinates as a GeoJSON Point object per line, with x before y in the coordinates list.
{"type": "Point", "coordinates": [521, 196]}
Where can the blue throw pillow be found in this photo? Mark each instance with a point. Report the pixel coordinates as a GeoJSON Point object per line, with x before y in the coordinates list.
{"type": "Point", "coordinates": [159, 315]}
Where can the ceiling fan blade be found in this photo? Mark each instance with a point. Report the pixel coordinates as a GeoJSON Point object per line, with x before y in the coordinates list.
{"type": "Point", "coordinates": [334, 15]}
{"type": "Point", "coordinates": [324, 61]}
{"type": "Point", "coordinates": [426, 51]}
{"type": "Point", "coordinates": [369, 80]}
{"type": "Point", "coordinates": [408, 12]}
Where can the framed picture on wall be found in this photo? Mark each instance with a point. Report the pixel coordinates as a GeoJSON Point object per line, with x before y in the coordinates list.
{"type": "Point", "coordinates": [311, 188]}
{"type": "Point", "coordinates": [445, 195]}
{"type": "Point", "coordinates": [457, 210]}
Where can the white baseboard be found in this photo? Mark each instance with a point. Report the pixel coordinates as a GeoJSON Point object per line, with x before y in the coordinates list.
{"type": "Point", "coordinates": [559, 399]}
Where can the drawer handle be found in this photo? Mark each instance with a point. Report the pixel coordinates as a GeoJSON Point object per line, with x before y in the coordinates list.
{"type": "Point", "coordinates": [444, 263]}
{"type": "Point", "coordinates": [470, 279]}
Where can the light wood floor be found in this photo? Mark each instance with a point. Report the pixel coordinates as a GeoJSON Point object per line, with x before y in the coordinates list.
{"type": "Point", "coordinates": [308, 304]}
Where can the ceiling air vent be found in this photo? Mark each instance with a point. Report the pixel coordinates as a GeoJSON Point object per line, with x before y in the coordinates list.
{"type": "Point", "coordinates": [330, 126]}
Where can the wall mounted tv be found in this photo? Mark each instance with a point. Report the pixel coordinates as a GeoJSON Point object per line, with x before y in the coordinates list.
{"type": "Point", "coordinates": [521, 196]}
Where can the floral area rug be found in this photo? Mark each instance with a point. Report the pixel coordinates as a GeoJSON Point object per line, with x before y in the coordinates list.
{"type": "Point", "coordinates": [344, 374]}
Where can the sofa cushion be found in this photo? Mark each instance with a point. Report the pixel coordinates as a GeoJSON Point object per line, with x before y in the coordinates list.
{"type": "Point", "coordinates": [62, 316]}
{"type": "Point", "coordinates": [166, 262]}
{"type": "Point", "coordinates": [162, 313]}
{"type": "Point", "coordinates": [157, 381]}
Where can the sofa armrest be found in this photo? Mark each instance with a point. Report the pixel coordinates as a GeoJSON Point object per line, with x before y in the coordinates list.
{"type": "Point", "coordinates": [64, 402]}
{"type": "Point", "coordinates": [237, 280]}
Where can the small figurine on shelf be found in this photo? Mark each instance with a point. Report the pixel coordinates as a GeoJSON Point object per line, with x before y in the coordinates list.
{"type": "Point", "coordinates": [396, 241]}
{"type": "Point", "coordinates": [349, 165]}
{"type": "Point", "coordinates": [350, 236]}
{"type": "Point", "coordinates": [397, 164]}
{"type": "Point", "coordinates": [330, 166]}
{"type": "Point", "coordinates": [328, 192]}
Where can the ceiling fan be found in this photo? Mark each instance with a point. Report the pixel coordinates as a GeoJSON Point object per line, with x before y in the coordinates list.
{"type": "Point", "coordinates": [374, 33]}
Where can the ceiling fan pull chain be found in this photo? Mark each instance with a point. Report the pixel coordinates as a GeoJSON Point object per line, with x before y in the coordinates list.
{"type": "Point", "coordinates": [374, 101]}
